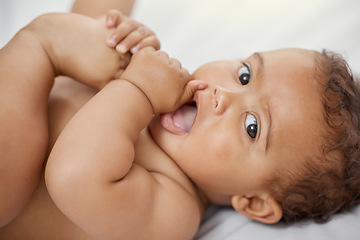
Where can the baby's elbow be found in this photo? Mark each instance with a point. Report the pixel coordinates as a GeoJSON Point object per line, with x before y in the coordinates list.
{"type": "Point", "coordinates": [61, 181]}
{"type": "Point", "coordinates": [55, 181]}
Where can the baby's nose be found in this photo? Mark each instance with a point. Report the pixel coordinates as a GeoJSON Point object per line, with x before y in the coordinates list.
{"type": "Point", "coordinates": [222, 99]}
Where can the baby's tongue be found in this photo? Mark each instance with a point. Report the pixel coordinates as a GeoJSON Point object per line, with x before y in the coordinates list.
{"type": "Point", "coordinates": [184, 117]}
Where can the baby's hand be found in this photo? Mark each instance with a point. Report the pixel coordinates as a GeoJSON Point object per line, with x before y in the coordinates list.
{"type": "Point", "coordinates": [129, 34]}
{"type": "Point", "coordinates": [162, 79]}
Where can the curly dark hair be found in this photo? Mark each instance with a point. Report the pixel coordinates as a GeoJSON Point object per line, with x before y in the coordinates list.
{"type": "Point", "coordinates": [328, 183]}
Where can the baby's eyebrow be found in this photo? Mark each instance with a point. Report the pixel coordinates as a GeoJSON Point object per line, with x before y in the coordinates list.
{"type": "Point", "coordinates": [260, 63]}
{"type": "Point", "coordinates": [270, 128]}
{"type": "Point", "coordinates": [259, 71]}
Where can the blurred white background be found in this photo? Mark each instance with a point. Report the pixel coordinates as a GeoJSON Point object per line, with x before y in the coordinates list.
{"type": "Point", "coordinates": [14, 14]}
{"type": "Point", "coordinates": [198, 31]}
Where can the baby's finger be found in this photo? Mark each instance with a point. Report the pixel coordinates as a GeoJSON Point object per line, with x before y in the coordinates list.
{"type": "Point", "coordinates": [133, 39]}
{"type": "Point", "coordinates": [190, 88]}
{"type": "Point", "coordinates": [113, 18]}
{"type": "Point", "coordinates": [150, 41]}
{"type": "Point", "coordinates": [124, 29]}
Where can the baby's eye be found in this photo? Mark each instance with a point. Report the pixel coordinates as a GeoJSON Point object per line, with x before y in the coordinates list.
{"type": "Point", "coordinates": [251, 126]}
{"type": "Point", "coordinates": [244, 75]}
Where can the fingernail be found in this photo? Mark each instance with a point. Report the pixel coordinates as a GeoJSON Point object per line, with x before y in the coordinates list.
{"type": "Point", "coordinates": [121, 48]}
{"type": "Point", "coordinates": [201, 86]}
{"type": "Point", "coordinates": [109, 22]}
{"type": "Point", "coordinates": [112, 41]}
{"type": "Point", "coordinates": [135, 49]}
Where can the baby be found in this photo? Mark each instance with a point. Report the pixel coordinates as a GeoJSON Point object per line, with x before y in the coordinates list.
{"type": "Point", "coordinates": [275, 135]}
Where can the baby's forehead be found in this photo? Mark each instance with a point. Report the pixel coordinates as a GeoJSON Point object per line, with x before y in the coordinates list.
{"type": "Point", "coordinates": [288, 64]}
{"type": "Point", "coordinates": [295, 139]}
{"type": "Point", "coordinates": [291, 52]}
{"type": "Point", "coordinates": [294, 98]}
{"type": "Point", "coordinates": [302, 58]}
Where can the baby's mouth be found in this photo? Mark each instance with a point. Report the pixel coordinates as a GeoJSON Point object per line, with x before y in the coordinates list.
{"type": "Point", "coordinates": [181, 120]}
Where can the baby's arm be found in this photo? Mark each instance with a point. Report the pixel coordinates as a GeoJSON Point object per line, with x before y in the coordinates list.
{"type": "Point", "coordinates": [91, 174]}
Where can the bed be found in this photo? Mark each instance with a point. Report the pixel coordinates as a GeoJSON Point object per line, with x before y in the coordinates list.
{"type": "Point", "coordinates": [199, 31]}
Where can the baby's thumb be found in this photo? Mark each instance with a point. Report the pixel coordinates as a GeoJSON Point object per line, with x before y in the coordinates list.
{"type": "Point", "coordinates": [190, 88]}
{"type": "Point", "coordinates": [112, 19]}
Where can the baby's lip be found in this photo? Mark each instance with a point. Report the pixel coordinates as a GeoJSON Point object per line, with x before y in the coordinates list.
{"type": "Point", "coordinates": [180, 121]}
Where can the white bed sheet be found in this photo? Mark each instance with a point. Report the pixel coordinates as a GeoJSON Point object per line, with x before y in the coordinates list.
{"type": "Point", "coordinates": [199, 31]}
{"type": "Point", "coordinates": [226, 224]}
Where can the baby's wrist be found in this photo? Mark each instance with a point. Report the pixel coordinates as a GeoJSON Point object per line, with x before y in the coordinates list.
{"type": "Point", "coordinates": [149, 103]}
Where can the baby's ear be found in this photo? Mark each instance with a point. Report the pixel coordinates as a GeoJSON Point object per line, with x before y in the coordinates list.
{"type": "Point", "coordinates": [263, 207]}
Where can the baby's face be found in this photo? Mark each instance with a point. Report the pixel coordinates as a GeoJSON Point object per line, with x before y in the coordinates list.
{"type": "Point", "coordinates": [257, 115]}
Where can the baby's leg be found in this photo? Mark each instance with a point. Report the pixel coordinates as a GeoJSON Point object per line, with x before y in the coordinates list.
{"type": "Point", "coordinates": [26, 77]}
{"type": "Point", "coordinates": [96, 8]}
